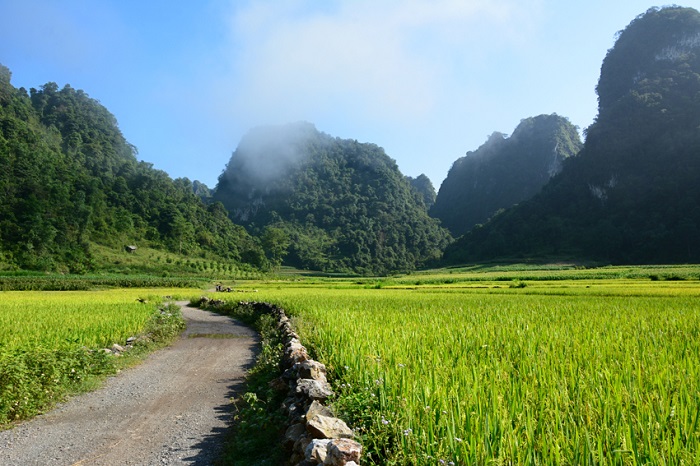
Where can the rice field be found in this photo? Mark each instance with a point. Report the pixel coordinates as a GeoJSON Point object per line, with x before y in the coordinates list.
{"type": "Point", "coordinates": [500, 366]}
{"type": "Point", "coordinates": [564, 372]}
{"type": "Point", "coordinates": [93, 319]}
{"type": "Point", "coordinates": [50, 341]}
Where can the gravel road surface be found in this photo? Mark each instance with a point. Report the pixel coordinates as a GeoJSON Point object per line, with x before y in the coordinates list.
{"type": "Point", "coordinates": [172, 409]}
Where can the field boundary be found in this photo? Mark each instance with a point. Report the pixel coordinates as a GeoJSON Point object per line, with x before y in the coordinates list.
{"type": "Point", "coordinates": [314, 435]}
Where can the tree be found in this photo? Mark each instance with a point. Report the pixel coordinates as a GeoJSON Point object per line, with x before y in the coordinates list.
{"type": "Point", "coordinates": [632, 193]}
{"type": "Point", "coordinates": [346, 204]}
{"type": "Point", "coordinates": [504, 171]}
{"type": "Point", "coordinates": [275, 242]}
{"type": "Point", "coordinates": [69, 178]}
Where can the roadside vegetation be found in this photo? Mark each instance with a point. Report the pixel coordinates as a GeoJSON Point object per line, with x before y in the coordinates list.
{"type": "Point", "coordinates": [600, 367]}
{"type": "Point", "coordinates": [258, 423]}
{"type": "Point", "coordinates": [52, 343]}
{"type": "Point", "coordinates": [511, 364]}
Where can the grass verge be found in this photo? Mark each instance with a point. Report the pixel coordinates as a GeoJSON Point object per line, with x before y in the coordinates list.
{"type": "Point", "coordinates": [34, 379]}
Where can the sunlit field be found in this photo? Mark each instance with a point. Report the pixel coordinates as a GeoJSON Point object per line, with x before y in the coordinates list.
{"type": "Point", "coordinates": [50, 342]}
{"type": "Point", "coordinates": [504, 370]}
{"type": "Point", "coordinates": [93, 319]}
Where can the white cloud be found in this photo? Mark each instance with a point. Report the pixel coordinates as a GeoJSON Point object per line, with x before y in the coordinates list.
{"type": "Point", "coordinates": [393, 60]}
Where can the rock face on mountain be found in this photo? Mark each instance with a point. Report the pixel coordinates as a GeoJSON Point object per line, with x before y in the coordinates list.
{"type": "Point", "coordinates": [632, 194]}
{"type": "Point", "coordinates": [343, 205]}
{"type": "Point", "coordinates": [504, 171]}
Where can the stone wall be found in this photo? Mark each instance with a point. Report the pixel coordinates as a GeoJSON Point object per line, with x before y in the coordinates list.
{"type": "Point", "coordinates": [314, 435]}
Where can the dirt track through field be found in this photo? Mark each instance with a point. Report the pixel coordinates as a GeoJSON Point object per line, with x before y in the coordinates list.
{"type": "Point", "coordinates": [173, 409]}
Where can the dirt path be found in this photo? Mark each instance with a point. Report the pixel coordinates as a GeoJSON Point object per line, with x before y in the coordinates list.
{"type": "Point", "coordinates": [170, 410]}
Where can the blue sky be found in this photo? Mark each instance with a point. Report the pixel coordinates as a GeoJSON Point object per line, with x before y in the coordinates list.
{"type": "Point", "coordinates": [427, 80]}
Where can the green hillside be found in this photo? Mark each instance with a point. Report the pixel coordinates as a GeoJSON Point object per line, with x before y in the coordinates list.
{"type": "Point", "coordinates": [73, 194]}
{"type": "Point", "coordinates": [632, 194]}
{"type": "Point", "coordinates": [504, 171]}
{"type": "Point", "coordinates": [70, 180]}
{"type": "Point", "coordinates": [425, 188]}
{"type": "Point", "coordinates": [342, 205]}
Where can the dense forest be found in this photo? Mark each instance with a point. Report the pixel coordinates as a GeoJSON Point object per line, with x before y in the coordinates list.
{"type": "Point", "coordinates": [632, 194]}
{"type": "Point", "coordinates": [343, 205]}
{"type": "Point", "coordinates": [70, 179]}
{"type": "Point", "coordinates": [291, 194]}
{"type": "Point", "coordinates": [504, 171]}
{"type": "Point", "coordinates": [425, 188]}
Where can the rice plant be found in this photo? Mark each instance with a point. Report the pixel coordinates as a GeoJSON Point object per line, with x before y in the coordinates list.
{"type": "Point", "coordinates": [510, 376]}
{"type": "Point", "coordinates": [50, 341]}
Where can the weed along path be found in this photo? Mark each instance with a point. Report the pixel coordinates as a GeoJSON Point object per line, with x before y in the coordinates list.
{"type": "Point", "coordinates": [172, 409]}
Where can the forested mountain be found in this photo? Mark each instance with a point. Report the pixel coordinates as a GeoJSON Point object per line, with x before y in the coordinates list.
{"type": "Point", "coordinates": [504, 171]}
{"type": "Point", "coordinates": [425, 188]}
{"type": "Point", "coordinates": [633, 193]}
{"type": "Point", "coordinates": [344, 205]}
{"type": "Point", "coordinates": [69, 178]}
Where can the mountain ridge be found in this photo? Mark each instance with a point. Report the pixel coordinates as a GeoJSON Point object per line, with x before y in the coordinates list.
{"type": "Point", "coordinates": [504, 171]}
{"type": "Point", "coordinates": [70, 179]}
{"type": "Point", "coordinates": [631, 195]}
{"type": "Point", "coordinates": [345, 205]}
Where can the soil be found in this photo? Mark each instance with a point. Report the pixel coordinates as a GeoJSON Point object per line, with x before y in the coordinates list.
{"type": "Point", "coordinates": [173, 409]}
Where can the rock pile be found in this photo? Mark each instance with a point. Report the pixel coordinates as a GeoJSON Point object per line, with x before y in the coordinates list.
{"type": "Point", "coordinates": [117, 349]}
{"type": "Point", "coordinates": [314, 435]}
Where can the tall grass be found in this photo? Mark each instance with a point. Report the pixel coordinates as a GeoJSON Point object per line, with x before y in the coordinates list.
{"type": "Point", "coordinates": [510, 377]}
{"type": "Point", "coordinates": [50, 341]}
{"type": "Point", "coordinates": [93, 319]}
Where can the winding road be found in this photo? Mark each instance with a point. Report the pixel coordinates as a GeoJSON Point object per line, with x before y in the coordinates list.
{"type": "Point", "coordinates": [172, 409]}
